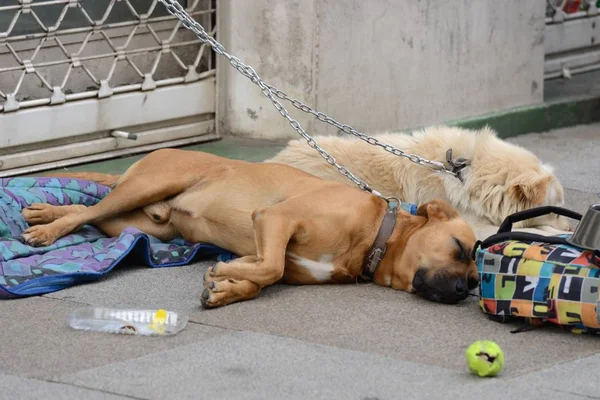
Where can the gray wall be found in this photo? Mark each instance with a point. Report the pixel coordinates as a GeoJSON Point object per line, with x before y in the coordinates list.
{"type": "Point", "coordinates": [378, 64]}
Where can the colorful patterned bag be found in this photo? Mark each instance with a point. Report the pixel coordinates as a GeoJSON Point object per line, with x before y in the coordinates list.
{"type": "Point", "coordinates": [539, 278]}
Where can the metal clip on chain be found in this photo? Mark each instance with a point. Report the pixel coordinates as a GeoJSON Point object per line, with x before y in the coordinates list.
{"type": "Point", "coordinates": [174, 8]}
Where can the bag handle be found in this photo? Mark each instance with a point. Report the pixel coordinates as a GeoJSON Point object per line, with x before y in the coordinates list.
{"type": "Point", "coordinates": [534, 213]}
{"type": "Point", "coordinates": [505, 231]}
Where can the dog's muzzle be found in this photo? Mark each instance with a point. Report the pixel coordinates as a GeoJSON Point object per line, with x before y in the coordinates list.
{"type": "Point", "coordinates": [445, 290]}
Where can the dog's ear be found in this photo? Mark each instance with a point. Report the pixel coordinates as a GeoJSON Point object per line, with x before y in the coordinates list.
{"type": "Point", "coordinates": [530, 187]}
{"type": "Point", "coordinates": [437, 209]}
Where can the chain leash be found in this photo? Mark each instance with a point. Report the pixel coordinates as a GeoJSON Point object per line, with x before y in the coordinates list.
{"type": "Point", "coordinates": [177, 10]}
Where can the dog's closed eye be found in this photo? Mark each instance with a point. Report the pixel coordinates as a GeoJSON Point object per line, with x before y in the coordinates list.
{"type": "Point", "coordinates": [462, 254]}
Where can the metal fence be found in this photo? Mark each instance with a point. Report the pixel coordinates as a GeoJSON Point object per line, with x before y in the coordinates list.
{"type": "Point", "coordinates": [572, 37]}
{"type": "Point", "coordinates": [73, 73]}
{"type": "Point", "coordinates": [62, 50]}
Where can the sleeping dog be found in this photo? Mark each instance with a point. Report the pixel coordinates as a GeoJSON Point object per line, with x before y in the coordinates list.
{"type": "Point", "coordinates": [286, 225]}
{"type": "Point", "coordinates": [499, 178]}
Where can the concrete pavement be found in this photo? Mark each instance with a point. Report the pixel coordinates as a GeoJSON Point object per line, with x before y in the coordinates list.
{"type": "Point", "coordinates": [313, 342]}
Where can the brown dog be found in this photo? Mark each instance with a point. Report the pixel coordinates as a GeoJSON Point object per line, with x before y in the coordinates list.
{"type": "Point", "coordinates": [285, 224]}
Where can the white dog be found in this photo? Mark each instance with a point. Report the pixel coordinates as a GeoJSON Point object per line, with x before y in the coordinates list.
{"type": "Point", "coordinates": [501, 178]}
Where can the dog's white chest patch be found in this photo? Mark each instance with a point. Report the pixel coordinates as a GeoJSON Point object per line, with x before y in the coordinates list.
{"type": "Point", "coordinates": [388, 280]}
{"type": "Point", "coordinates": [320, 270]}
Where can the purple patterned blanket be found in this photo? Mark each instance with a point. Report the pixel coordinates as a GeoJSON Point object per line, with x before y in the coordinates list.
{"type": "Point", "coordinates": [85, 255]}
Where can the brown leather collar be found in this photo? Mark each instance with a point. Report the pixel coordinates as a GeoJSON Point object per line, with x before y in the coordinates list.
{"type": "Point", "coordinates": [379, 246]}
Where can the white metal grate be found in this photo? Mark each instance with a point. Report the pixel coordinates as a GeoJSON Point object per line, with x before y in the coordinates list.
{"type": "Point", "coordinates": [86, 80]}
{"type": "Point", "coordinates": [56, 51]}
{"type": "Point", "coordinates": [572, 37]}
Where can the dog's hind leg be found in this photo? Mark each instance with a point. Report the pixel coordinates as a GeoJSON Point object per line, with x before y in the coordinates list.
{"type": "Point", "coordinates": [138, 219]}
{"type": "Point", "coordinates": [131, 194]}
{"type": "Point", "coordinates": [42, 213]}
{"type": "Point", "coordinates": [153, 181]}
{"type": "Point", "coordinates": [243, 279]}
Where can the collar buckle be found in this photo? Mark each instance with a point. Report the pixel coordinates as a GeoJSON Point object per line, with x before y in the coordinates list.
{"type": "Point", "coordinates": [457, 165]}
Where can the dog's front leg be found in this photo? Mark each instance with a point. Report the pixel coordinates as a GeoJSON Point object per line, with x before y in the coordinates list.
{"type": "Point", "coordinates": [243, 278]}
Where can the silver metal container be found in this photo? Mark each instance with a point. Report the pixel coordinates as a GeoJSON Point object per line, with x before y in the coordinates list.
{"type": "Point", "coordinates": [587, 233]}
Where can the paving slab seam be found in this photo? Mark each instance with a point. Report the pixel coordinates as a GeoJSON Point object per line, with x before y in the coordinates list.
{"type": "Point", "coordinates": [492, 384]}
{"type": "Point", "coordinates": [87, 388]}
{"type": "Point", "coordinates": [553, 366]}
{"type": "Point", "coordinates": [220, 327]}
{"type": "Point", "coordinates": [65, 300]}
{"type": "Point", "coordinates": [584, 396]}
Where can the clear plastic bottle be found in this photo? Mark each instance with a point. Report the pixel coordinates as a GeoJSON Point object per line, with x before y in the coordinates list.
{"type": "Point", "coordinates": [127, 321]}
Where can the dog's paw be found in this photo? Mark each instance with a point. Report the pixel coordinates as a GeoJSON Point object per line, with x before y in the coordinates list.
{"type": "Point", "coordinates": [216, 294]}
{"type": "Point", "coordinates": [206, 297]}
{"type": "Point", "coordinates": [209, 297]}
{"type": "Point", "coordinates": [212, 273]}
{"type": "Point", "coordinates": [38, 213]}
{"type": "Point", "coordinates": [39, 236]}
{"type": "Point", "coordinates": [220, 290]}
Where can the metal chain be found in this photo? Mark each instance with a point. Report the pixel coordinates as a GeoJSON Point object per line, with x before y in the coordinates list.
{"type": "Point", "coordinates": [176, 9]}
{"type": "Point", "coordinates": [436, 165]}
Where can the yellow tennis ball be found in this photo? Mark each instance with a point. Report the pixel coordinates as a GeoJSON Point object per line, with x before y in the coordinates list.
{"type": "Point", "coordinates": [485, 358]}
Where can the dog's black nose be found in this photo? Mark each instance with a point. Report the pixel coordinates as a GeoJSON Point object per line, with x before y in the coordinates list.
{"type": "Point", "coordinates": [461, 289]}
{"type": "Point", "coordinates": [472, 283]}
{"type": "Point", "coordinates": [419, 279]}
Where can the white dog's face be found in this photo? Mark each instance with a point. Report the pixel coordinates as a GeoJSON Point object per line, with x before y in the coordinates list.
{"type": "Point", "coordinates": [540, 188]}
{"type": "Point", "coordinates": [504, 178]}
